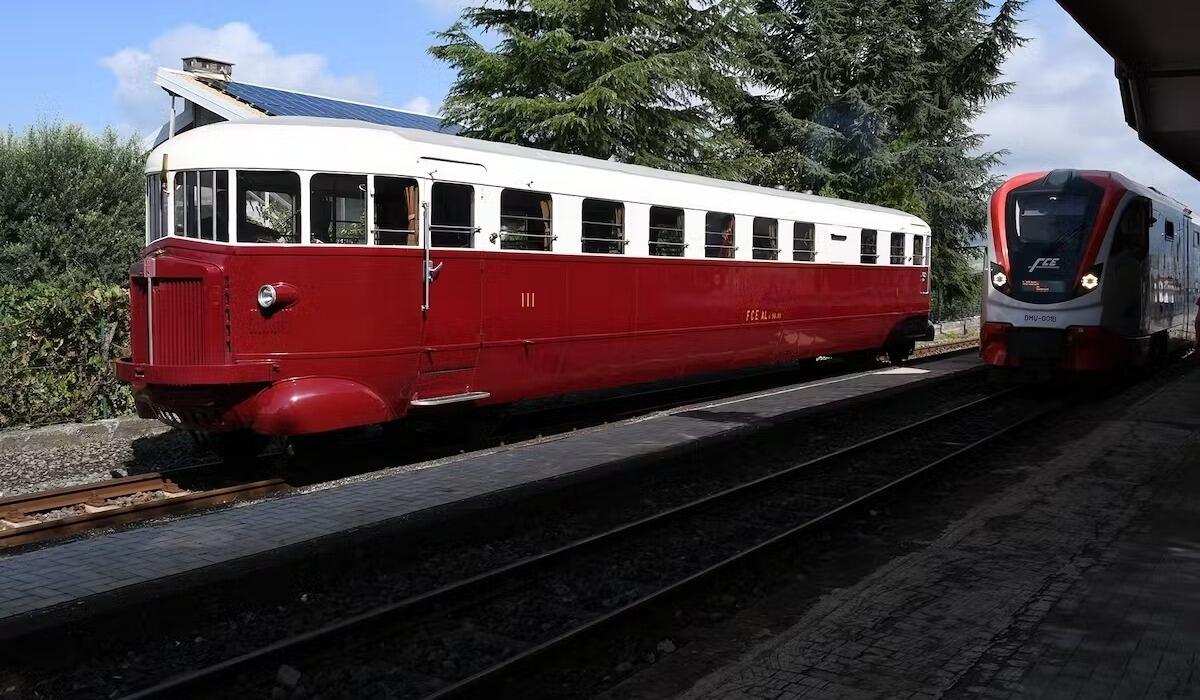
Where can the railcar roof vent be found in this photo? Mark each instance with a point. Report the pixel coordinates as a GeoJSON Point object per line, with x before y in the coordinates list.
{"type": "Point", "coordinates": [1058, 178]}
{"type": "Point", "coordinates": [208, 68]}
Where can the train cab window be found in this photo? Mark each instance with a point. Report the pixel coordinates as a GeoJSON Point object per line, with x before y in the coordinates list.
{"type": "Point", "coordinates": [396, 210]}
{"type": "Point", "coordinates": [339, 208]}
{"type": "Point", "coordinates": [719, 235]}
{"type": "Point", "coordinates": [1169, 231]}
{"type": "Point", "coordinates": [766, 238]}
{"type": "Point", "coordinates": [897, 249]}
{"type": "Point", "coordinates": [202, 204]}
{"type": "Point", "coordinates": [666, 232]}
{"type": "Point", "coordinates": [268, 206]}
{"type": "Point", "coordinates": [919, 250]}
{"type": "Point", "coordinates": [603, 226]}
{"type": "Point", "coordinates": [1131, 239]}
{"type": "Point", "coordinates": [868, 246]}
{"type": "Point", "coordinates": [452, 216]}
{"type": "Point", "coordinates": [804, 241]}
{"type": "Point", "coordinates": [525, 220]}
{"type": "Point", "coordinates": [156, 208]}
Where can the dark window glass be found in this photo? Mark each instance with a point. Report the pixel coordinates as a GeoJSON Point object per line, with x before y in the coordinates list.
{"type": "Point", "coordinates": [1170, 230]}
{"type": "Point", "coordinates": [222, 206]}
{"type": "Point", "coordinates": [397, 211]}
{"type": "Point", "coordinates": [525, 220]}
{"type": "Point", "coordinates": [192, 194]}
{"type": "Point", "coordinates": [666, 232]}
{"type": "Point", "coordinates": [156, 208]}
{"type": "Point", "coordinates": [1132, 237]}
{"type": "Point", "coordinates": [897, 251]}
{"type": "Point", "coordinates": [452, 222]}
{"type": "Point", "coordinates": [603, 226]}
{"type": "Point", "coordinates": [268, 206]}
{"type": "Point", "coordinates": [766, 239]}
{"type": "Point", "coordinates": [208, 205]}
{"type": "Point", "coordinates": [1048, 223]}
{"type": "Point", "coordinates": [202, 204]}
{"type": "Point", "coordinates": [804, 241]}
{"type": "Point", "coordinates": [339, 208]}
{"type": "Point", "coordinates": [918, 250]}
{"type": "Point", "coordinates": [868, 249]}
{"type": "Point", "coordinates": [720, 236]}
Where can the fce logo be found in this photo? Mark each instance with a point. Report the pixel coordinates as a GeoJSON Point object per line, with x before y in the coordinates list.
{"type": "Point", "coordinates": [1044, 264]}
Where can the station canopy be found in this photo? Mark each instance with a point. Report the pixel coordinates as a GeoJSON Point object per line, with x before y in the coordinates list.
{"type": "Point", "coordinates": [1157, 55]}
{"type": "Point", "coordinates": [210, 95]}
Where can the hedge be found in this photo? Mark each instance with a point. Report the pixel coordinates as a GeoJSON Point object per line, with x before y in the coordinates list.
{"type": "Point", "coordinates": [59, 341]}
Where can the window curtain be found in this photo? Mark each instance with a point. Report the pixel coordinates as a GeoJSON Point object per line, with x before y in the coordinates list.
{"type": "Point", "coordinates": [619, 220]}
{"type": "Point", "coordinates": [411, 204]}
{"type": "Point", "coordinates": [544, 207]}
{"type": "Point", "coordinates": [727, 238]}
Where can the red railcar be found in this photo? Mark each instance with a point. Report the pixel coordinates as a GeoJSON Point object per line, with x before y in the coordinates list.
{"type": "Point", "coordinates": [310, 275]}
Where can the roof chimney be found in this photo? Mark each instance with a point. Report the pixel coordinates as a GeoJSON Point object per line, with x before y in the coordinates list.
{"type": "Point", "coordinates": [208, 67]}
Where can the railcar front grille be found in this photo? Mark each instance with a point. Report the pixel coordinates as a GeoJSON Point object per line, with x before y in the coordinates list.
{"type": "Point", "coordinates": [176, 326]}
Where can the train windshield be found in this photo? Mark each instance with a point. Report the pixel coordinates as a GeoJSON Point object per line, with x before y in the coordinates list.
{"type": "Point", "coordinates": [1048, 225]}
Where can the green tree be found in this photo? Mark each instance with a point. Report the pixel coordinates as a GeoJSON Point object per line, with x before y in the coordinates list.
{"type": "Point", "coordinates": [637, 81]}
{"type": "Point", "coordinates": [71, 204]}
{"type": "Point", "coordinates": [873, 100]}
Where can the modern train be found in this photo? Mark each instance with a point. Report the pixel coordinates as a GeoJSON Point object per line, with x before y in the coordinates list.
{"type": "Point", "coordinates": [306, 275]}
{"type": "Point", "coordinates": [1088, 271]}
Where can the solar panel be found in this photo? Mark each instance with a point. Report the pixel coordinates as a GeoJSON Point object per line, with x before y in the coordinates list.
{"type": "Point", "coordinates": [282, 103]}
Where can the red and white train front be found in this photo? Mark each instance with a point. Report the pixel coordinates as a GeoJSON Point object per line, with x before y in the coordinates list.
{"type": "Point", "coordinates": [1088, 271]}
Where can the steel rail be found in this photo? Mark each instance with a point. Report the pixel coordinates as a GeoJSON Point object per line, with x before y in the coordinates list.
{"type": "Point", "coordinates": [488, 581]}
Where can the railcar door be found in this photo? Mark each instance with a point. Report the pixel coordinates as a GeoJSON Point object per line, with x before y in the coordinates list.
{"type": "Point", "coordinates": [450, 310]}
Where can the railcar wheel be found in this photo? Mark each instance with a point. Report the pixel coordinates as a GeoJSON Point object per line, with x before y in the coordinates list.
{"type": "Point", "coordinates": [239, 445]}
{"type": "Point", "coordinates": [899, 354]}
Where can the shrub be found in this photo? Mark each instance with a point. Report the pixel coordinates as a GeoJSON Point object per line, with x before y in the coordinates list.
{"type": "Point", "coordinates": [59, 340]}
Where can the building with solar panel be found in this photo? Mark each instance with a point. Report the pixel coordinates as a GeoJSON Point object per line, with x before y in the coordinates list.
{"type": "Point", "coordinates": [209, 94]}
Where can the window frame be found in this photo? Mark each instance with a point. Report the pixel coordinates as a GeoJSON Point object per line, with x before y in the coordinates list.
{"type": "Point", "coordinates": [548, 238]}
{"type": "Point", "coordinates": [797, 251]}
{"type": "Point", "coordinates": [680, 246]}
{"type": "Point", "coordinates": [618, 225]}
{"type": "Point", "coordinates": [919, 259]}
{"type": "Point", "coordinates": [298, 218]}
{"type": "Point", "coordinates": [865, 258]}
{"type": "Point", "coordinates": [772, 253]}
{"type": "Point", "coordinates": [731, 246]}
{"type": "Point", "coordinates": [413, 213]}
{"type": "Point", "coordinates": [364, 187]}
{"type": "Point", "coordinates": [893, 258]}
{"type": "Point", "coordinates": [187, 204]}
{"type": "Point", "coordinates": [469, 230]}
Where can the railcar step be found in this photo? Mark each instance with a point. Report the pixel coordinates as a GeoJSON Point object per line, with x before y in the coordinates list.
{"type": "Point", "coordinates": [453, 398]}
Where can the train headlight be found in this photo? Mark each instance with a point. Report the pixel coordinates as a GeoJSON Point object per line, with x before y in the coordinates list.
{"type": "Point", "coordinates": [266, 296]}
{"type": "Point", "coordinates": [1000, 279]}
{"type": "Point", "coordinates": [1089, 281]}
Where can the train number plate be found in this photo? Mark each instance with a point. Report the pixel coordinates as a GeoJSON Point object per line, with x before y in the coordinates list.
{"type": "Point", "coordinates": [1041, 318]}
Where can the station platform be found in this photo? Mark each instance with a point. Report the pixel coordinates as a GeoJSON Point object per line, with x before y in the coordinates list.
{"type": "Point", "coordinates": [1080, 580]}
{"type": "Point", "coordinates": [90, 575]}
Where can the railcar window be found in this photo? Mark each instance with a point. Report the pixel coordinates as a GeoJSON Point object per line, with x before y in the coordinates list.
{"type": "Point", "coordinates": [919, 250]}
{"type": "Point", "coordinates": [603, 226]}
{"type": "Point", "coordinates": [397, 210]}
{"type": "Point", "coordinates": [804, 241]}
{"type": "Point", "coordinates": [202, 204]}
{"type": "Point", "coordinates": [765, 239]}
{"type": "Point", "coordinates": [268, 206]}
{"type": "Point", "coordinates": [156, 208]}
{"type": "Point", "coordinates": [666, 232]}
{"type": "Point", "coordinates": [897, 250]}
{"type": "Point", "coordinates": [1169, 231]}
{"type": "Point", "coordinates": [339, 208]}
{"type": "Point", "coordinates": [525, 219]}
{"type": "Point", "coordinates": [720, 237]}
{"type": "Point", "coordinates": [1132, 237]}
{"type": "Point", "coordinates": [452, 218]}
{"type": "Point", "coordinates": [868, 249]}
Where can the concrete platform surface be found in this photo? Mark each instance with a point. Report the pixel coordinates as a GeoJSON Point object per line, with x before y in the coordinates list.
{"type": "Point", "coordinates": [1081, 581]}
{"type": "Point", "coordinates": [92, 571]}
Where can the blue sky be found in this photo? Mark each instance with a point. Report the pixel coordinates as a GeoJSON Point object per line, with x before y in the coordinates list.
{"type": "Point", "coordinates": [96, 68]}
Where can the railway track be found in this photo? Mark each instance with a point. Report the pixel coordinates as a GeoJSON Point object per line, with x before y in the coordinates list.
{"type": "Point", "coordinates": [40, 517]}
{"type": "Point", "coordinates": [37, 517]}
{"type": "Point", "coordinates": [479, 635]}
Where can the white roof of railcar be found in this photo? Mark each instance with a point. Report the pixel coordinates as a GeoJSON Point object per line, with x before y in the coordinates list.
{"type": "Point", "coordinates": [225, 151]}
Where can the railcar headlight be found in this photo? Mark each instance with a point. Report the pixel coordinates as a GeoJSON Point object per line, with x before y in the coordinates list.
{"type": "Point", "coordinates": [266, 296]}
{"type": "Point", "coordinates": [1089, 281]}
{"type": "Point", "coordinates": [999, 279]}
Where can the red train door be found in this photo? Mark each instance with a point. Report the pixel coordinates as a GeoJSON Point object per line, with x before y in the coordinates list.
{"type": "Point", "coordinates": [450, 312]}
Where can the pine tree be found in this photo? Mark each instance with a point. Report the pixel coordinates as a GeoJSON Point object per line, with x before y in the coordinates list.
{"type": "Point", "coordinates": [636, 81]}
{"type": "Point", "coordinates": [873, 100]}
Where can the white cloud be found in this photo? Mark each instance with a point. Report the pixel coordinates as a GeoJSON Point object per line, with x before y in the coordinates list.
{"type": "Point", "coordinates": [1065, 112]}
{"type": "Point", "coordinates": [420, 103]}
{"type": "Point", "coordinates": [144, 104]}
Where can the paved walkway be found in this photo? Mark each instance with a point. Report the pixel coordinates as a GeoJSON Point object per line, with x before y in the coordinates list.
{"type": "Point", "coordinates": [89, 572]}
{"type": "Point", "coordinates": [1082, 581]}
